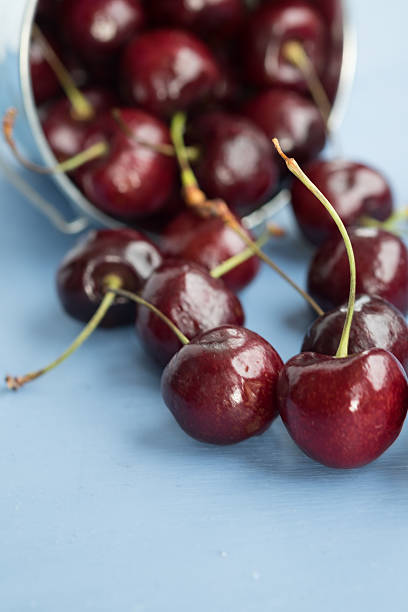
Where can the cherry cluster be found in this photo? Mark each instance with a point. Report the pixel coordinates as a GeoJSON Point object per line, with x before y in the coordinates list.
{"type": "Point", "coordinates": [128, 66]}
{"type": "Point", "coordinates": [344, 398]}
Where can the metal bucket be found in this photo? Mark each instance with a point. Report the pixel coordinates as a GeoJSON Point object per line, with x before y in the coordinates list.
{"type": "Point", "coordinates": [16, 21]}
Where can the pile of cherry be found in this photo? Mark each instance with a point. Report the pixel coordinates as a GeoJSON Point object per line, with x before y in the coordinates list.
{"type": "Point", "coordinates": [345, 397]}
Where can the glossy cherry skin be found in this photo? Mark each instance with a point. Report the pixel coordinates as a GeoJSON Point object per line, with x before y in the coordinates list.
{"type": "Point", "coordinates": [47, 12]}
{"type": "Point", "coordinates": [292, 118]}
{"type": "Point", "coordinates": [44, 7]}
{"type": "Point", "coordinates": [229, 88]}
{"type": "Point", "coordinates": [355, 190]}
{"type": "Point", "coordinates": [382, 269]}
{"type": "Point", "coordinates": [270, 27]}
{"type": "Point", "coordinates": [98, 29]}
{"type": "Point", "coordinates": [222, 17]}
{"type": "Point", "coordinates": [208, 242]}
{"type": "Point", "coordinates": [191, 298]}
{"type": "Point", "coordinates": [343, 413]}
{"type": "Point", "coordinates": [131, 181]}
{"type": "Point", "coordinates": [165, 71]}
{"type": "Point", "coordinates": [221, 388]}
{"type": "Point", "coordinates": [43, 80]}
{"type": "Point", "coordinates": [376, 324]}
{"type": "Point", "coordinates": [66, 134]}
{"type": "Point", "coordinates": [237, 163]}
{"type": "Point", "coordinates": [81, 276]}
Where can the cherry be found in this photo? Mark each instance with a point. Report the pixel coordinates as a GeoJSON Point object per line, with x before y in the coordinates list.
{"type": "Point", "coordinates": [382, 268]}
{"type": "Point", "coordinates": [376, 324]}
{"type": "Point", "coordinates": [221, 387]}
{"type": "Point", "coordinates": [157, 222]}
{"type": "Point", "coordinates": [198, 201]}
{"type": "Point", "coordinates": [132, 180]}
{"type": "Point", "coordinates": [64, 132]}
{"type": "Point", "coordinates": [342, 411]}
{"type": "Point", "coordinates": [355, 190]}
{"type": "Point", "coordinates": [236, 162]}
{"type": "Point", "coordinates": [47, 11]}
{"type": "Point", "coordinates": [193, 300]}
{"type": "Point", "coordinates": [228, 89]}
{"type": "Point", "coordinates": [345, 412]}
{"type": "Point", "coordinates": [98, 29]}
{"type": "Point", "coordinates": [293, 119]}
{"type": "Point", "coordinates": [270, 27]}
{"type": "Point", "coordinates": [208, 242]}
{"type": "Point", "coordinates": [44, 82]}
{"type": "Point", "coordinates": [125, 253]}
{"type": "Point", "coordinates": [221, 17]}
{"type": "Point", "coordinates": [167, 70]}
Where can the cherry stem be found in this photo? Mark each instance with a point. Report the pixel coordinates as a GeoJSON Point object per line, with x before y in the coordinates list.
{"type": "Point", "coordinates": [139, 300]}
{"type": "Point", "coordinates": [111, 283]}
{"type": "Point", "coordinates": [198, 201]}
{"type": "Point", "coordinates": [238, 259]}
{"type": "Point", "coordinates": [295, 53]}
{"type": "Point", "coordinates": [165, 149]}
{"type": "Point", "coordinates": [390, 224]}
{"type": "Point", "coordinates": [94, 152]}
{"type": "Point", "coordinates": [82, 109]}
{"type": "Point", "coordinates": [177, 129]}
{"type": "Point", "coordinates": [295, 169]}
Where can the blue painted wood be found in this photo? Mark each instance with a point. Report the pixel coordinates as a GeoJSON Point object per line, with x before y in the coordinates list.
{"type": "Point", "coordinates": [105, 505]}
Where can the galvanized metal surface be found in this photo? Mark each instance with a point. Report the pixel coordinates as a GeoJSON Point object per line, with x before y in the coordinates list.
{"type": "Point", "coordinates": [15, 30]}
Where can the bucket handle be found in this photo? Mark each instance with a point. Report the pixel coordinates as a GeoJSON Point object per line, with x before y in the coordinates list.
{"type": "Point", "coordinates": [41, 204]}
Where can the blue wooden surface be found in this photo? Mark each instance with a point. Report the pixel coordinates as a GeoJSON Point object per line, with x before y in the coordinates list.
{"type": "Point", "coordinates": [105, 505]}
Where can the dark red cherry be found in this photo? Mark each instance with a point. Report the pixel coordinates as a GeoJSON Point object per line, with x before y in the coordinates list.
{"type": "Point", "coordinates": [64, 132]}
{"type": "Point", "coordinates": [43, 80]}
{"type": "Point", "coordinates": [376, 324]}
{"type": "Point", "coordinates": [236, 163]}
{"type": "Point", "coordinates": [382, 269]}
{"type": "Point", "coordinates": [346, 412]}
{"type": "Point", "coordinates": [98, 29]}
{"type": "Point", "coordinates": [355, 190]}
{"type": "Point", "coordinates": [47, 12]}
{"type": "Point", "coordinates": [164, 71]}
{"type": "Point", "coordinates": [191, 299]}
{"type": "Point", "coordinates": [222, 17]}
{"type": "Point", "coordinates": [221, 388]}
{"type": "Point", "coordinates": [229, 88]}
{"type": "Point", "coordinates": [270, 27]}
{"type": "Point", "coordinates": [292, 118]}
{"type": "Point", "coordinates": [81, 276]}
{"type": "Point", "coordinates": [131, 181]}
{"type": "Point", "coordinates": [157, 222]}
{"type": "Point", "coordinates": [208, 242]}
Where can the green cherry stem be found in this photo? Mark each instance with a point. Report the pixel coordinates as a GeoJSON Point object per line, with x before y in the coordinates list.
{"type": "Point", "coordinates": [177, 129]}
{"type": "Point", "coordinates": [94, 152]}
{"type": "Point", "coordinates": [82, 109]}
{"type": "Point", "coordinates": [238, 259]}
{"type": "Point", "coordinates": [295, 169]}
{"type": "Point", "coordinates": [198, 201]}
{"type": "Point", "coordinates": [139, 300]}
{"type": "Point", "coordinates": [111, 282]}
{"type": "Point", "coordinates": [391, 224]}
{"type": "Point", "coordinates": [168, 150]}
{"type": "Point", "coordinates": [295, 53]}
